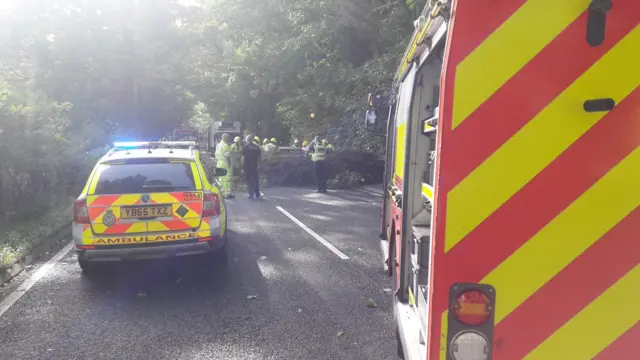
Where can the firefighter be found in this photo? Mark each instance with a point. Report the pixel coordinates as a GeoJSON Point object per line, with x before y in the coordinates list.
{"type": "Point", "coordinates": [318, 153]}
{"type": "Point", "coordinates": [327, 145]}
{"type": "Point", "coordinates": [296, 143]}
{"type": "Point", "coordinates": [235, 158]}
{"type": "Point", "coordinates": [268, 149]}
{"type": "Point", "coordinates": [222, 157]}
{"type": "Point", "coordinates": [304, 151]}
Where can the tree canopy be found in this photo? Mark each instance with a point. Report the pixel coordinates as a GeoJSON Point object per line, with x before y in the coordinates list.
{"type": "Point", "coordinates": [76, 75]}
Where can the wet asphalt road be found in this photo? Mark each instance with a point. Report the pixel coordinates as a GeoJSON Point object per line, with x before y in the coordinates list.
{"type": "Point", "coordinates": [309, 303]}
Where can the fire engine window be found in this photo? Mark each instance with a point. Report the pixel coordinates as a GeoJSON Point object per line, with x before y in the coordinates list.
{"type": "Point", "coordinates": [429, 172]}
{"type": "Point", "coordinates": [144, 178]}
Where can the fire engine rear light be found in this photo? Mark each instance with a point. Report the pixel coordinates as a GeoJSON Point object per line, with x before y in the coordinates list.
{"type": "Point", "coordinates": [469, 345]}
{"type": "Point", "coordinates": [80, 212]}
{"type": "Point", "coordinates": [472, 308]}
{"type": "Point", "coordinates": [85, 247]}
{"type": "Point", "coordinates": [210, 205]}
{"type": "Point", "coordinates": [205, 239]}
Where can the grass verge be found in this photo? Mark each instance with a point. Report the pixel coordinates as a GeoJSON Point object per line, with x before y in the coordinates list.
{"type": "Point", "coordinates": [17, 239]}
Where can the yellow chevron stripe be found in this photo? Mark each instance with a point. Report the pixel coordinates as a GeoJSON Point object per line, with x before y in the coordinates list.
{"type": "Point", "coordinates": [129, 199]}
{"type": "Point", "coordinates": [508, 49]}
{"type": "Point", "coordinates": [86, 231]}
{"type": "Point", "coordinates": [596, 326]}
{"type": "Point", "coordinates": [99, 228]}
{"type": "Point", "coordinates": [91, 199]}
{"type": "Point", "coordinates": [156, 226]}
{"type": "Point", "coordinates": [205, 226]}
{"type": "Point", "coordinates": [194, 222]}
{"type": "Point", "coordinates": [163, 198]}
{"type": "Point", "coordinates": [567, 236]}
{"type": "Point", "coordinates": [543, 139]}
{"type": "Point", "coordinates": [137, 227]}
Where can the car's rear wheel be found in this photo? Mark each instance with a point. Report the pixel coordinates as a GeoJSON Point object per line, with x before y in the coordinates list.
{"type": "Point", "coordinates": [221, 255]}
{"type": "Point", "coordinates": [90, 268]}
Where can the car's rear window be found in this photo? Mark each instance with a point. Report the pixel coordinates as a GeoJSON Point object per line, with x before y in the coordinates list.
{"type": "Point", "coordinates": [144, 178]}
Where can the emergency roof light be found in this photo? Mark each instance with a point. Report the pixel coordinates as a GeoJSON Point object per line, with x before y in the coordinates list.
{"type": "Point", "coordinates": [130, 145]}
{"type": "Point", "coordinates": [145, 144]}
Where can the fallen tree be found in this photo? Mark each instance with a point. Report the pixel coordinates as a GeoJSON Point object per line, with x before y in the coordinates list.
{"type": "Point", "coordinates": [345, 169]}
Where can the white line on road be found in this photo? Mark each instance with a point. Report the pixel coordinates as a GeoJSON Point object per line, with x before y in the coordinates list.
{"type": "Point", "coordinates": [371, 192]}
{"type": "Point", "coordinates": [313, 233]}
{"type": "Point", "coordinates": [25, 286]}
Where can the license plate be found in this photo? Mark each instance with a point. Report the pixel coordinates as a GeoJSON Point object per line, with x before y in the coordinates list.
{"type": "Point", "coordinates": [145, 211]}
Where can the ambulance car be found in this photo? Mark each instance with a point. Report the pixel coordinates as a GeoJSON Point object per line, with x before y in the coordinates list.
{"type": "Point", "coordinates": [149, 200]}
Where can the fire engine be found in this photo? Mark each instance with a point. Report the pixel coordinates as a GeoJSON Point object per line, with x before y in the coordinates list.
{"type": "Point", "coordinates": [185, 134]}
{"type": "Point", "coordinates": [217, 128]}
{"type": "Point", "coordinates": [510, 222]}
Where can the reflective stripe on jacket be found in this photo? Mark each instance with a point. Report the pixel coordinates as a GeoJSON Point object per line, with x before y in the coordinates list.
{"type": "Point", "coordinates": [319, 153]}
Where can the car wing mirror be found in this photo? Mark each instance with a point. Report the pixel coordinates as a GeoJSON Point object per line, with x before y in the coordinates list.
{"type": "Point", "coordinates": [219, 172]}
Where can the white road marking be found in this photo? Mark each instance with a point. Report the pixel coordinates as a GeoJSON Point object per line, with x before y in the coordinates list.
{"type": "Point", "coordinates": [25, 286]}
{"type": "Point", "coordinates": [324, 242]}
{"type": "Point", "coordinates": [371, 192]}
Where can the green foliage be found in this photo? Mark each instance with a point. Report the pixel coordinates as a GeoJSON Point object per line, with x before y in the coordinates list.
{"type": "Point", "coordinates": [200, 118]}
{"type": "Point", "coordinates": [310, 57]}
{"type": "Point", "coordinates": [22, 237]}
{"type": "Point", "coordinates": [76, 75]}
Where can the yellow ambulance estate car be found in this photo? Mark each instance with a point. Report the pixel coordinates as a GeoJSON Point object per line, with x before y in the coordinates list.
{"type": "Point", "coordinates": [148, 200]}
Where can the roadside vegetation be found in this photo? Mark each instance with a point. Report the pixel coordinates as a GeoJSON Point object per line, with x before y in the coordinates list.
{"type": "Point", "coordinates": [77, 75]}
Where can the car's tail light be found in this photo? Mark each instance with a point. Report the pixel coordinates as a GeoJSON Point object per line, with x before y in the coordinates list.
{"type": "Point", "coordinates": [211, 205]}
{"type": "Point", "coordinates": [80, 212]}
{"type": "Point", "coordinates": [472, 307]}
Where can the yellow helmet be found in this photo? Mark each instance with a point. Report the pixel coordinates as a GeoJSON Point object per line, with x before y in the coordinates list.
{"type": "Point", "coordinates": [265, 142]}
{"type": "Point", "coordinates": [236, 139]}
{"type": "Point", "coordinates": [305, 143]}
{"type": "Point", "coordinates": [273, 140]}
{"type": "Point", "coordinates": [256, 139]}
{"type": "Point", "coordinates": [324, 142]}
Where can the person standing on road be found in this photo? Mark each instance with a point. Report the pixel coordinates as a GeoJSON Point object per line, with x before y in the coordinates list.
{"type": "Point", "coordinates": [318, 153]}
{"type": "Point", "coordinates": [223, 161]}
{"type": "Point", "coordinates": [268, 149]}
{"type": "Point", "coordinates": [275, 144]}
{"type": "Point", "coordinates": [252, 157]}
{"type": "Point", "coordinates": [327, 145]}
{"type": "Point", "coordinates": [236, 162]}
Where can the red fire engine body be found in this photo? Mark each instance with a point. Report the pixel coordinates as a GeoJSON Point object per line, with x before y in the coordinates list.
{"type": "Point", "coordinates": [510, 222]}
